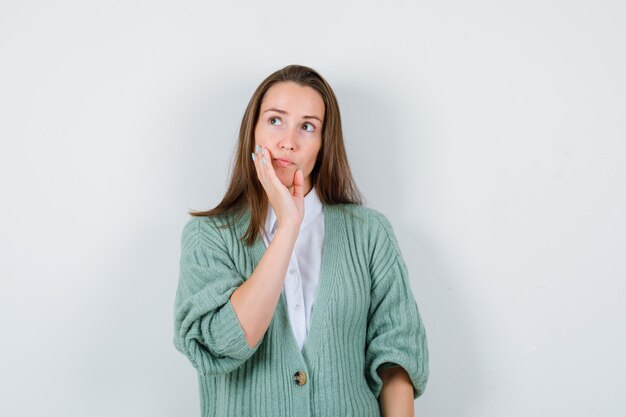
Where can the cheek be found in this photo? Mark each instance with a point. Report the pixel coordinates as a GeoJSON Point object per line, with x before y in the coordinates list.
{"type": "Point", "coordinates": [257, 132]}
{"type": "Point", "coordinates": [265, 135]}
{"type": "Point", "coordinates": [260, 137]}
{"type": "Point", "coordinates": [313, 159]}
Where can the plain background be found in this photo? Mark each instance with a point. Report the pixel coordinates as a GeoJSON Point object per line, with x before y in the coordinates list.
{"type": "Point", "coordinates": [492, 134]}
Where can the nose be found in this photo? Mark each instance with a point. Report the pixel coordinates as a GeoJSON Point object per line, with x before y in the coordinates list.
{"type": "Point", "coordinates": [288, 140]}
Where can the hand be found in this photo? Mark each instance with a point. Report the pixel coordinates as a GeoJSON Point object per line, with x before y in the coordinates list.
{"type": "Point", "coordinates": [289, 208]}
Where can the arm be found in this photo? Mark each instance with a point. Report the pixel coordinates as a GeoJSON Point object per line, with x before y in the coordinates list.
{"type": "Point", "coordinates": [256, 299]}
{"type": "Point", "coordinates": [395, 332]}
{"type": "Point", "coordinates": [206, 325]}
{"type": "Point", "coordinates": [396, 398]}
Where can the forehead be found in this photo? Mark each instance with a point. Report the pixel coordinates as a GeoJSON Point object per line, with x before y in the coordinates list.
{"type": "Point", "coordinates": [294, 98]}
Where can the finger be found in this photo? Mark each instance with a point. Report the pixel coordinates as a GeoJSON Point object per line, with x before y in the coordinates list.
{"type": "Point", "coordinates": [269, 167]}
{"type": "Point", "coordinates": [266, 157]}
{"type": "Point", "coordinates": [260, 170]}
{"type": "Point", "coordinates": [298, 184]}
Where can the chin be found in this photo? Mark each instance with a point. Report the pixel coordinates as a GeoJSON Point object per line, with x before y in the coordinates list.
{"type": "Point", "coordinates": [287, 182]}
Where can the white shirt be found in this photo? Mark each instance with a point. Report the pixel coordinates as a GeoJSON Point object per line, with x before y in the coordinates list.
{"type": "Point", "coordinates": [303, 274]}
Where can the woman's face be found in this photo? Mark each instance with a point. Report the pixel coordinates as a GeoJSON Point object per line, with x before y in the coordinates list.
{"type": "Point", "coordinates": [290, 127]}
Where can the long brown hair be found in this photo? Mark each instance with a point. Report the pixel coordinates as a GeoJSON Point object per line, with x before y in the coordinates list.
{"type": "Point", "coordinates": [331, 175]}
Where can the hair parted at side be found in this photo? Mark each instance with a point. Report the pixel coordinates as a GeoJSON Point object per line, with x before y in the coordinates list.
{"type": "Point", "coordinates": [331, 176]}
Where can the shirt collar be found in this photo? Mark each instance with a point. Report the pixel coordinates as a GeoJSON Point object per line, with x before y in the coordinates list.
{"type": "Point", "coordinates": [312, 207]}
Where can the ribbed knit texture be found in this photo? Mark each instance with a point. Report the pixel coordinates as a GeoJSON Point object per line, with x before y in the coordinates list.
{"type": "Point", "coordinates": [365, 316]}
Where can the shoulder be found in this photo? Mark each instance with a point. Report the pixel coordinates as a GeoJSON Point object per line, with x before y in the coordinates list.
{"type": "Point", "coordinates": [205, 230]}
{"type": "Point", "coordinates": [365, 217]}
{"type": "Point", "coordinates": [368, 231]}
{"type": "Point", "coordinates": [370, 222]}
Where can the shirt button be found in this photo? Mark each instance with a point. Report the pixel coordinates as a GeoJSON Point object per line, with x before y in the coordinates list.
{"type": "Point", "coordinates": [300, 378]}
{"type": "Point", "coordinates": [292, 271]}
{"type": "Point", "coordinates": [297, 307]}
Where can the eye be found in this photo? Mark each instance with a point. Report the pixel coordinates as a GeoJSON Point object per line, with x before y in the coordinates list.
{"type": "Point", "coordinates": [271, 120]}
{"type": "Point", "coordinates": [310, 125]}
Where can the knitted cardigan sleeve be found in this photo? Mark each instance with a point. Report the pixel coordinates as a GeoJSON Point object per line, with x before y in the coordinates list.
{"type": "Point", "coordinates": [206, 328]}
{"type": "Point", "coordinates": [395, 333]}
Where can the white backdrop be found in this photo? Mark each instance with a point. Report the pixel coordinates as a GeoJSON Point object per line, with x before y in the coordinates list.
{"type": "Point", "coordinates": [492, 134]}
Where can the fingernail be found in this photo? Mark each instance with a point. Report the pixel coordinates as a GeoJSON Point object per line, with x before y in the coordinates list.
{"type": "Point", "coordinates": [264, 162]}
{"type": "Point", "coordinates": [252, 156]}
{"type": "Point", "coordinates": [257, 148]}
{"type": "Point", "coordinates": [263, 151]}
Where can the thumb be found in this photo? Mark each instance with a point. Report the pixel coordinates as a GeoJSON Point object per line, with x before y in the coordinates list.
{"type": "Point", "coordinates": [298, 184]}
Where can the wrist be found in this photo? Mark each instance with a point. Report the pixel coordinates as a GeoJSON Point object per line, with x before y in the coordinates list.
{"type": "Point", "coordinates": [291, 228]}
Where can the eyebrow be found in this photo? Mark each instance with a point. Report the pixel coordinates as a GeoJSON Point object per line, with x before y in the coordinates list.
{"type": "Point", "coordinates": [284, 112]}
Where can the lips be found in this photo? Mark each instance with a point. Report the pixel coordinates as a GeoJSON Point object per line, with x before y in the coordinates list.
{"type": "Point", "coordinates": [283, 162]}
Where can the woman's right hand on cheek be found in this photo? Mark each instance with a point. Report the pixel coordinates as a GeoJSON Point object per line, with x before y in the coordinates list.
{"type": "Point", "coordinates": [288, 207]}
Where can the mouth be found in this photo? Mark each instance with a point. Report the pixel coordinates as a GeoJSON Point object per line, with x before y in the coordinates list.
{"type": "Point", "coordinates": [283, 162]}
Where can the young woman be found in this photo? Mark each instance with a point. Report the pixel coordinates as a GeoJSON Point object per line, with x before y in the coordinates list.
{"type": "Point", "coordinates": [293, 297]}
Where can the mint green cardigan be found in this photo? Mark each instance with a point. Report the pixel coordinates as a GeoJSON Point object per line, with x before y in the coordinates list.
{"type": "Point", "coordinates": [365, 316]}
